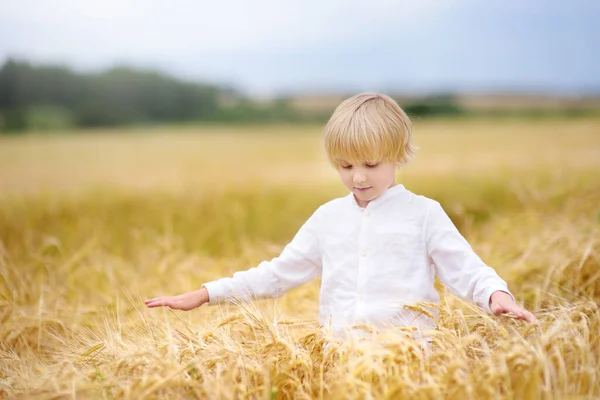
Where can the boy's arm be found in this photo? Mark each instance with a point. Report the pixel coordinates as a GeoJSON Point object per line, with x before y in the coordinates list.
{"type": "Point", "coordinates": [299, 262]}
{"type": "Point", "coordinates": [460, 269]}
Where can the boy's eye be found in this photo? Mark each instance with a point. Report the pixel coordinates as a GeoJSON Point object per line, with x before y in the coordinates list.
{"type": "Point", "coordinates": [372, 165]}
{"type": "Point", "coordinates": [346, 166]}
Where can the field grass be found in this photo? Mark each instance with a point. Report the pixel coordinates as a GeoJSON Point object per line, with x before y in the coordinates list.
{"type": "Point", "coordinates": [93, 223]}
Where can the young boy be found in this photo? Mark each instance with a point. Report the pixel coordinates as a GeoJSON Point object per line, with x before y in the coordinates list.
{"type": "Point", "coordinates": [376, 249]}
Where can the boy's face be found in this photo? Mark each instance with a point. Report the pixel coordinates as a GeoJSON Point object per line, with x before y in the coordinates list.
{"type": "Point", "coordinates": [366, 180]}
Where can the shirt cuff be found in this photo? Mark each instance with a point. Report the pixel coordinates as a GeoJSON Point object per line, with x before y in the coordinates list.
{"type": "Point", "coordinates": [215, 292]}
{"type": "Point", "coordinates": [485, 300]}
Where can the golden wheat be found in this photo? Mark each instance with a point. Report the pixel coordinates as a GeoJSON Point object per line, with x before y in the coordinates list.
{"type": "Point", "coordinates": [92, 224]}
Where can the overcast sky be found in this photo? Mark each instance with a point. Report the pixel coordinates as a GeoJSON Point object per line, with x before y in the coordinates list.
{"type": "Point", "coordinates": [269, 46]}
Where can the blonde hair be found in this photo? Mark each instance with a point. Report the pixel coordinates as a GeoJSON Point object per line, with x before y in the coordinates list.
{"type": "Point", "coordinates": [369, 127]}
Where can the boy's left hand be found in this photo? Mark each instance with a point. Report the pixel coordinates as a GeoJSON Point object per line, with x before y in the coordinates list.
{"type": "Point", "coordinates": [502, 303]}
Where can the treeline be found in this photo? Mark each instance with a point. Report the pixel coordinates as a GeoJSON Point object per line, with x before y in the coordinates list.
{"type": "Point", "coordinates": [53, 97]}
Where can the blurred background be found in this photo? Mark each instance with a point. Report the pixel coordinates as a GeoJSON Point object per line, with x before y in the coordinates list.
{"type": "Point", "coordinates": [77, 64]}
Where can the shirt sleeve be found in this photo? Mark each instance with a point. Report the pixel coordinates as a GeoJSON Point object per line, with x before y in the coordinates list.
{"type": "Point", "coordinates": [455, 262]}
{"type": "Point", "coordinates": [298, 263]}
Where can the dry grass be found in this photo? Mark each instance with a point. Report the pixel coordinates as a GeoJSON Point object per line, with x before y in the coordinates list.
{"type": "Point", "coordinates": [91, 224]}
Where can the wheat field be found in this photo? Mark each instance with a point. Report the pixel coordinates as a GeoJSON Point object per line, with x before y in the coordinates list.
{"type": "Point", "coordinates": [92, 223]}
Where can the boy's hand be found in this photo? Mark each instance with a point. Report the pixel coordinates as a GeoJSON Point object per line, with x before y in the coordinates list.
{"type": "Point", "coordinates": [185, 302]}
{"type": "Point", "coordinates": [502, 303]}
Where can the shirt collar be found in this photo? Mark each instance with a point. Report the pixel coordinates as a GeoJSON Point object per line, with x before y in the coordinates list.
{"type": "Point", "coordinates": [385, 196]}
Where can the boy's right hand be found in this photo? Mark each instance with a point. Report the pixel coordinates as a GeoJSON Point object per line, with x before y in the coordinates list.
{"type": "Point", "coordinates": [185, 302]}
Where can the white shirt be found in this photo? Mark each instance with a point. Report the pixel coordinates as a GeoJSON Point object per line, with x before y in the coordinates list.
{"type": "Point", "coordinates": [372, 261]}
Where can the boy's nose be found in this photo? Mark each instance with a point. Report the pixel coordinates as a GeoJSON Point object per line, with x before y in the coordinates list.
{"type": "Point", "coordinates": [358, 177]}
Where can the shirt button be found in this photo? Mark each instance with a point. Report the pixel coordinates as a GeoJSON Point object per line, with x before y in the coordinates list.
{"type": "Point", "coordinates": [364, 254]}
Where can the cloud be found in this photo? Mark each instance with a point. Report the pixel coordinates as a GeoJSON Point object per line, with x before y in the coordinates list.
{"type": "Point", "coordinates": [268, 45]}
{"type": "Point", "coordinates": [78, 28]}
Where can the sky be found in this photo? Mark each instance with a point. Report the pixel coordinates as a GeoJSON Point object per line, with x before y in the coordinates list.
{"type": "Point", "coordinates": [268, 47]}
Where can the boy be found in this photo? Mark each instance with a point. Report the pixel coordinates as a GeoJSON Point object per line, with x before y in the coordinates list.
{"type": "Point", "coordinates": [376, 249]}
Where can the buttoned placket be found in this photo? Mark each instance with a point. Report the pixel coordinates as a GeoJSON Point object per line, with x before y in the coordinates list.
{"type": "Point", "coordinates": [363, 260]}
{"type": "Point", "coordinates": [363, 250]}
